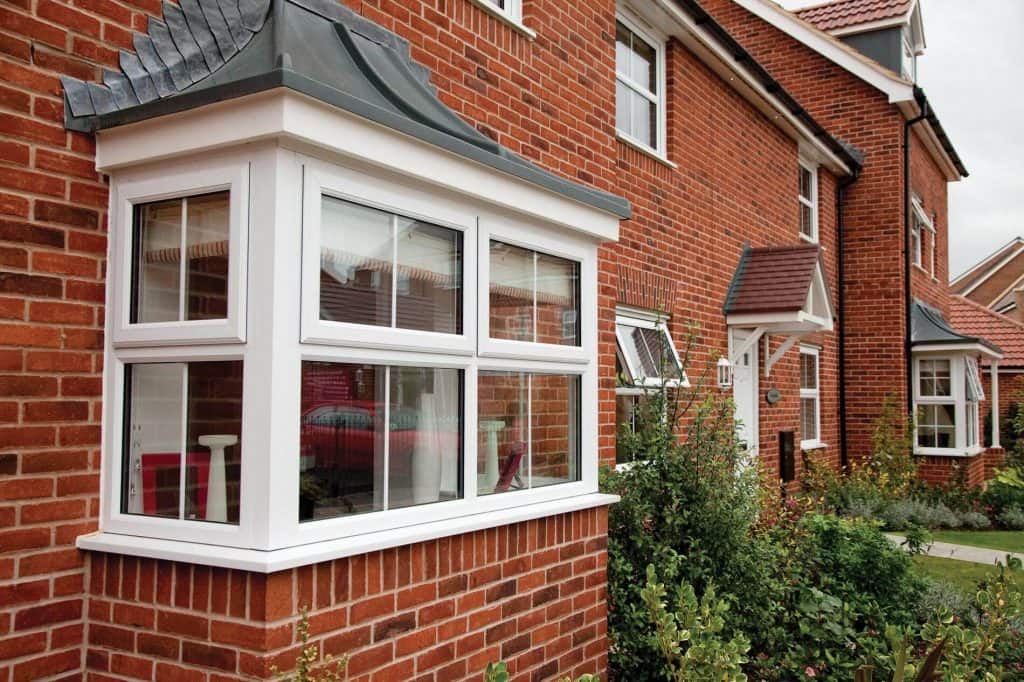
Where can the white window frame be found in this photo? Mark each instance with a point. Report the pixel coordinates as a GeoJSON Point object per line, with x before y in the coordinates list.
{"type": "Point", "coordinates": [908, 58]}
{"type": "Point", "coordinates": [635, 317]}
{"type": "Point", "coordinates": [812, 394]}
{"type": "Point", "coordinates": [959, 366]}
{"type": "Point", "coordinates": [659, 43]}
{"type": "Point", "coordinates": [344, 183]}
{"type": "Point", "coordinates": [919, 222]}
{"type": "Point", "coordinates": [811, 203]}
{"type": "Point", "coordinates": [513, 9]}
{"type": "Point", "coordinates": [177, 183]}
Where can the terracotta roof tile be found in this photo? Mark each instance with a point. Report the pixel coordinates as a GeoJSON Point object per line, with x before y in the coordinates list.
{"type": "Point", "coordinates": [838, 14]}
{"type": "Point", "coordinates": [771, 280]}
{"type": "Point", "coordinates": [976, 320]}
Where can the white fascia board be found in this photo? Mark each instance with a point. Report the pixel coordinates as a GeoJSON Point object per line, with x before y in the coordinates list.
{"type": "Point", "coordinates": [956, 348]}
{"type": "Point", "coordinates": [898, 89]}
{"type": "Point", "coordinates": [1015, 285]}
{"type": "Point", "coordinates": [988, 273]}
{"type": "Point", "coordinates": [295, 120]}
{"type": "Point", "coordinates": [991, 271]}
{"type": "Point", "coordinates": [259, 561]}
{"type": "Point", "coordinates": [696, 39]}
{"type": "Point", "coordinates": [931, 142]}
{"type": "Point", "coordinates": [870, 26]}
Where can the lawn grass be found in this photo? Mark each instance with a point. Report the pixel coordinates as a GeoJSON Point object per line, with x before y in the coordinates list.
{"type": "Point", "coordinates": [963, 574]}
{"type": "Point", "coordinates": [1005, 540]}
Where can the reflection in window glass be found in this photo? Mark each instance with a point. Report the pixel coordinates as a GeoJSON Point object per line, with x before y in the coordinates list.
{"type": "Point", "coordinates": [381, 269]}
{"type": "Point", "coordinates": [375, 437]}
{"type": "Point", "coordinates": [533, 296]}
{"type": "Point", "coordinates": [528, 432]}
{"type": "Point", "coordinates": [158, 267]}
{"type": "Point", "coordinates": [934, 378]}
{"type": "Point", "coordinates": [636, 86]}
{"type": "Point", "coordinates": [207, 438]}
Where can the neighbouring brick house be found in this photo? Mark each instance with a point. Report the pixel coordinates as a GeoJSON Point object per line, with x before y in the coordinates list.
{"type": "Point", "coordinates": [852, 63]}
{"type": "Point", "coordinates": [997, 281]}
{"type": "Point", "coordinates": [382, 282]}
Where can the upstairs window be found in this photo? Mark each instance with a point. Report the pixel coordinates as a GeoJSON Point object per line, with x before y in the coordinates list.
{"type": "Point", "coordinates": [808, 201]}
{"type": "Point", "coordinates": [810, 398]}
{"type": "Point", "coordinates": [921, 228]}
{"type": "Point", "coordinates": [639, 86]}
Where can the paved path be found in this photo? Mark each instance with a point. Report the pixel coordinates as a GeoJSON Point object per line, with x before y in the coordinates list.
{"type": "Point", "coordinates": [978, 555]}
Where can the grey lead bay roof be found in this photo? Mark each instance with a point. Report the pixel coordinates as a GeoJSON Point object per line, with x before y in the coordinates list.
{"type": "Point", "coordinates": [209, 51]}
{"type": "Point", "coordinates": [928, 327]}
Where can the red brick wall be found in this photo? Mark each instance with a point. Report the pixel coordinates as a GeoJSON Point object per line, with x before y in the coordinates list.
{"type": "Point", "coordinates": [929, 184]}
{"type": "Point", "coordinates": [531, 594]}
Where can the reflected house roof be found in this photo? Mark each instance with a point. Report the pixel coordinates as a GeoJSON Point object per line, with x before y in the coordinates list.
{"type": "Point", "coordinates": [928, 327]}
{"type": "Point", "coordinates": [209, 51]}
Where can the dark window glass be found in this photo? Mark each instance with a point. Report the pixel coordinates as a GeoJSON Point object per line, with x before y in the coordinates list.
{"type": "Point", "coordinates": [376, 437]}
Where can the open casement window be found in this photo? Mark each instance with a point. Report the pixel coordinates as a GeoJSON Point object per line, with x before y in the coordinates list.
{"type": "Point", "coordinates": [639, 85]}
{"type": "Point", "coordinates": [810, 398]}
{"type": "Point", "coordinates": [921, 229]}
{"type": "Point", "coordinates": [947, 393]}
{"type": "Point", "coordinates": [808, 200]}
{"type": "Point", "coordinates": [647, 354]}
{"type": "Point", "coordinates": [181, 246]}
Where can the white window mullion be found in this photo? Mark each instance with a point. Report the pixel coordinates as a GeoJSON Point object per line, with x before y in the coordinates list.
{"type": "Point", "coordinates": [183, 263]}
{"type": "Point", "coordinates": [386, 474]}
{"type": "Point", "coordinates": [183, 471]}
{"type": "Point", "coordinates": [529, 431]}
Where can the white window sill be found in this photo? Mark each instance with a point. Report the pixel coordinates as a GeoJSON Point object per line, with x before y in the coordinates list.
{"type": "Point", "coordinates": [921, 268]}
{"type": "Point", "coordinates": [812, 445]}
{"type": "Point", "coordinates": [259, 561]}
{"type": "Point", "coordinates": [644, 149]}
{"type": "Point", "coordinates": [948, 452]}
{"type": "Point", "coordinates": [809, 240]}
{"type": "Point", "coordinates": [502, 16]}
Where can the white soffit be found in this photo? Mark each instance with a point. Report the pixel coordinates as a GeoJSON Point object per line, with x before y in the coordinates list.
{"type": "Point", "coordinates": [286, 116]}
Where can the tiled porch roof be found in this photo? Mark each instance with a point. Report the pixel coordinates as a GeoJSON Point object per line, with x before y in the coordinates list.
{"type": "Point", "coordinates": [772, 280]}
{"type": "Point", "coordinates": [838, 14]}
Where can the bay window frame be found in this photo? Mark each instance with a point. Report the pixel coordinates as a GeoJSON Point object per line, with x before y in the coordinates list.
{"type": "Point", "coordinates": [958, 366]}
{"type": "Point", "coordinates": [180, 183]}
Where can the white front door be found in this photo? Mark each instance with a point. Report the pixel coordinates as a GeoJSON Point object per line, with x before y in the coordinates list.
{"type": "Point", "coordinates": [744, 392]}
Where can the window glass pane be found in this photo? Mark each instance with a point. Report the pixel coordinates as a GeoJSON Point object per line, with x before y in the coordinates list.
{"type": "Point", "coordinates": [554, 437]}
{"type": "Point", "coordinates": [558, 300]}
{"type": "Point", "coordinates": [809, 418]}
{"type": "Point", "coordinates": [425, 427]}
{"type": "Point", "coordinates": [528, 430]}
{"type": "Point", "coordinates": [214, 429]}
{"type": "Point", "coordinates": [429, 282]}
{"type": "Point", "coordinates": [807, 220]}
{"type": "Point", "coordinates": [341, 443]}
{"type": "Point", "coordinates": [156, 295]}
{"type": "Point", "coordinates": [622, 48]}
{"type": "Point", "coordinates": [806, 184]}
{"type": "Point", "coordinates": [937, 426]}
{"type": "Point", "coordinates": [374, 437]}
{"type": "Point", "coordinates": [644, 119]}
{"type": "Point", "coordinates": [626, 406]}
{"type": "Point", "coordinates": [356, 257]}
{"type": "Point", "coordinates": [207, 235]}
{"type": "Point", "coordinates": [511, 292]}
{"type": "Point", "coordinates": [808, 371]}
{"type": "Point", "coordinates": [935, 378]}
{"type": "Point", "coordinates": [158, 436]}
{"type": "Point", "coordinates": [644, 64]}
{"type": "Point", "coordinates": [502, 448]}
{"type": "Point", "coordinates": [622, 114]}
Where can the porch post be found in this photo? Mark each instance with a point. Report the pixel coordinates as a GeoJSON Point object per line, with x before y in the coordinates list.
{"type": "Point", "coordinates": [995, 404]}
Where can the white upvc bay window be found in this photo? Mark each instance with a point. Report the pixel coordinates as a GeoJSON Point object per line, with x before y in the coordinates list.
{"type": "Point", "coordinates": [947, 393]}
{"type": "Point", "coordinates": [311, 356]}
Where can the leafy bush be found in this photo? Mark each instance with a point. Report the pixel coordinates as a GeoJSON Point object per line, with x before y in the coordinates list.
{"type": "Point", "coordinates": [1000, 495]}
{"type": "Point", "coordinates": [904, 514]}
{"type": "Point", "coordinates": [941, 596]}
{"type": "Point", "coordinates": [974, 520]}
{"type": "Point", "coordinates": [691, 637]}
{"type": "Point", "coordinates": [1012, 518]}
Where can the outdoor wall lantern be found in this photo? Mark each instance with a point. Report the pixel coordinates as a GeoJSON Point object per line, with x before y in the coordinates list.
{"type": "Point", "coordinates": [724, 373]}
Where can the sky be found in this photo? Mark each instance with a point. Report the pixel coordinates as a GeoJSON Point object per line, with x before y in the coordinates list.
{"type": "Point", "coordinates": [973, 73]}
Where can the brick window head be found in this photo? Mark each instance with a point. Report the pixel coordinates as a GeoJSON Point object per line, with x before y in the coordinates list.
{"type": "Point", "coordinates": [810, 398]}
{"type": "Point", "coordinates": [639, 85]}
{"type": "Point", "coordinates": [808, 201]}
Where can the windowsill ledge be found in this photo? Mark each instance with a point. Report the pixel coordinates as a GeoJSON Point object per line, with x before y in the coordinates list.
{"type": "Point", "coordinates": [259, 561]}
{"type": "Point", "coordinates": [809, 445]}
{"type": "Point", "coordinates": [808, 239]}
{"type": "Point", "coordinates": [645, 150]}
{"type": "Point", "coordinates": [957, 453]}
{"type": "Point", "coordinates": [501, 16]}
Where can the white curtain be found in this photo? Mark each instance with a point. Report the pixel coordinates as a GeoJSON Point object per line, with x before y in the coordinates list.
{"type": "Point", "coordinates": [435, 462]}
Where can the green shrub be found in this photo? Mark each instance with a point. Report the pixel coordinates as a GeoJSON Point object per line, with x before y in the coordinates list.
{"type": "Point", "coordinates": [691, 637]}
{"type": "Point", "coordinates": [1012, 518]}
{"type": "Point", "coordinates": [1000, 495]}
{"type": "Point", "coordinates": [942, 596]}
{"type": "Point", "coordinates": [974, 520]}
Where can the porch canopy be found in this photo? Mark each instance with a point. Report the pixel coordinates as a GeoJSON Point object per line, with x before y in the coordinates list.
{"type": "Point", "coordinates": [778, 290]}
